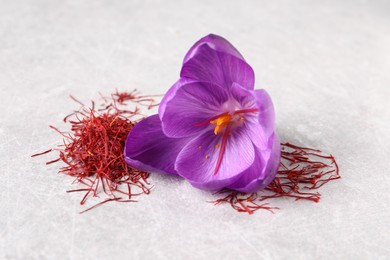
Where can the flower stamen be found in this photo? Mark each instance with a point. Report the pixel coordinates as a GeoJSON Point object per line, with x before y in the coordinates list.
{"type": "Point", "coordinates": [221, 122]}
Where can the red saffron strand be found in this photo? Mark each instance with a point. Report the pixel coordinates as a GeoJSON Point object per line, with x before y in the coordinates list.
{"type": "Point", "coordinates": [206, 122]}
{"type": "Point", "coordinates": [223, 146]}
{"type": "Point", "coordinates": [242, 111]}
{"type": "Point", "coordinates": [76, 100]}
{"type": "Point", "coordinates": [92, 150]}
{"type": "Point", "coordinates": [242, 202]}
{"type": "Point", "coordinates": [42, 153]}
{"type": "Point", "coordinates": [249, 110]}
{"type": "Point", "coordinates": [301, 170]}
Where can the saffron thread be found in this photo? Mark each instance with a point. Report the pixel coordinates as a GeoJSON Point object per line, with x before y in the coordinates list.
{"type": "Point", "coordinates": [302, 170]}
{"type": "Point", "coordinates": [92, 150]}
{"type": "Point", "coordinates": [223, 146]}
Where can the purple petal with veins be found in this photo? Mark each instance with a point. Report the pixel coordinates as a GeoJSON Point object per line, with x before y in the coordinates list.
{"type": "Point", "coordinates": [216, 43]}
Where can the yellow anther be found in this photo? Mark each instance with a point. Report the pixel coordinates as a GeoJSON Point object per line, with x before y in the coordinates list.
{"type": "Point", "coordinates": [217, 146]}
{"type": "Point", "coordinates": [206, 156]}
{"type": "Point", "coordinates": [221, 122]}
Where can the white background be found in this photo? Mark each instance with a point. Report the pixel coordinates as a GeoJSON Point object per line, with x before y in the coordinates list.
{"type": "Point", "coordinates": [326, 65]}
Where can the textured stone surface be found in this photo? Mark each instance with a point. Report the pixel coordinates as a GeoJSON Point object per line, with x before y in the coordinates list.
{"type": "Point", "coordinates": [325, 63]}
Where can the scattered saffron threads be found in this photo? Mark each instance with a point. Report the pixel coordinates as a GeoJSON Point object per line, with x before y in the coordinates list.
{"type": "Point", "coordinates": [92, 150]}
{"type": "Point", "coordinates": [302, 170]}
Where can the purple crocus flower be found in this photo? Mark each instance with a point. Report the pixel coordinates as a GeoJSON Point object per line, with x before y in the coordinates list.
{"type": "Point", "coordinates": [212, 128]}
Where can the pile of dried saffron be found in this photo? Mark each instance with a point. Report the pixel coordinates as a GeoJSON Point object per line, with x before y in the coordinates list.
{"type": "Point", "coordinates": [92, 150]}
{"type": "Point", "coordinates": [302, 170]}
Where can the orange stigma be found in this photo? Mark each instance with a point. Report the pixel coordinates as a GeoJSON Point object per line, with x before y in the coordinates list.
{"type": "Point", "coordinates": [221, 122]}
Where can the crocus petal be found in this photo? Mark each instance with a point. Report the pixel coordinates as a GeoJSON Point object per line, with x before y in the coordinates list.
{"type": "Point", "coordinates": [216, 43]}
{"type": "Point", "coordinates": [219, 68]}
{"type": "Point", "coordinates": [147, 148]}
{"type": "Point", "coordinates": [198, 159]}
{"type": "Point", "coordinates": [188, 111]}
{"type": "Point", "coordinates": [171, 93]}
{"type": "Point", "coordinates": [266, 111]}
{"type": "Point", "coordinates": [254, 128]}
{"type": "Point", "coordinates": [262, 171]}
{"type": "Point", "coordinates": [244, 96]}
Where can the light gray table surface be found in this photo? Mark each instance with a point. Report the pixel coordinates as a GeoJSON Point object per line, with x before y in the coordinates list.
{"type": "Point", "coordinates": [326, 65]}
